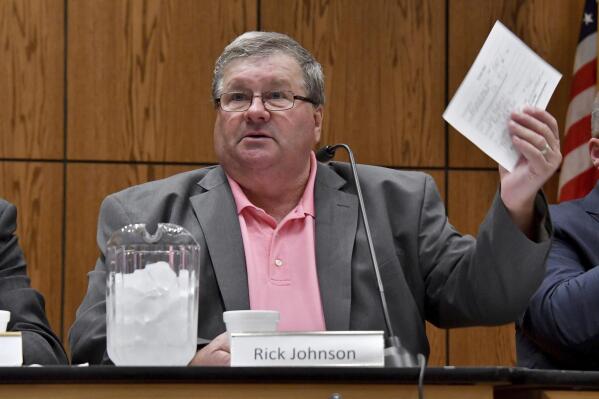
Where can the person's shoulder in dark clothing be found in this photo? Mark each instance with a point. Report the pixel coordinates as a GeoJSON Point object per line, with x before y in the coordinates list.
{"type": "Point", "coordinates": [40, 344]}
{"type": "Point", "coordinates": [560, 329]}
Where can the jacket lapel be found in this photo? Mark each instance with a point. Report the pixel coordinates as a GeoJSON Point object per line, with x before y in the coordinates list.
{"type": "Point", "coordinates": [336, 223]}
{"type": "Point", "coordinates": [217, 213]}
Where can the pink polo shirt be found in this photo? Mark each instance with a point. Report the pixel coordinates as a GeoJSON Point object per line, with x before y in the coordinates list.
{"type": "Point", "coordinates": [281, 259]}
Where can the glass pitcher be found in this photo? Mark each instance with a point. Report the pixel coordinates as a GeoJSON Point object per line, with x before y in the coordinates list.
{"type": "Point", "coordinates": [152, 296]}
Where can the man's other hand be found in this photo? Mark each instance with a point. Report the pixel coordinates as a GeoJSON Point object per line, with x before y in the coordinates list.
{"type": "Point", "coordinates": [216, 353]}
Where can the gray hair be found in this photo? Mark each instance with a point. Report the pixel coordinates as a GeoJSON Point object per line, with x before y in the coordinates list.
{"type": "Point", "coordinates": [264, 44]}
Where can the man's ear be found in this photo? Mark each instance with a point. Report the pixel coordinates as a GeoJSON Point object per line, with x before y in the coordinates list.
{"type": "Point", "coordinates": [594, 151]}
{"type": "Point", "coordinates": [317, 123]}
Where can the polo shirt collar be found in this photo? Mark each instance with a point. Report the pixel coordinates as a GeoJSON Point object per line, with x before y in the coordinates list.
{"type": "Point", "coordinates": [305, 205]}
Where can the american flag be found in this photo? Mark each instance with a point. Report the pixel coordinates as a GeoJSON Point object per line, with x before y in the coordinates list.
{"type": "Point", "coordinates": [578, 176]}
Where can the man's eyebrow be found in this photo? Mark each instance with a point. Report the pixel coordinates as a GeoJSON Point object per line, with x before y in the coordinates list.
{"type": "Point", "coordinates": [280, 82]}
{"type": "Point", "coordinates": [236, 84]}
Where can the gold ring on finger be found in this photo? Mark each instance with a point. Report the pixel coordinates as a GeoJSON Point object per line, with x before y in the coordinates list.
{"type": "Point", "coordinates": [545, 149]}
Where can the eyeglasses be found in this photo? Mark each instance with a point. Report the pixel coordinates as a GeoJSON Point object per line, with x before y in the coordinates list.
{"type": "Point", "coordinates": [276, 100]}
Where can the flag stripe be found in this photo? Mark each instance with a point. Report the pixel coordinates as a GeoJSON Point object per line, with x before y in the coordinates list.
{"type": "Point", "coordinates": [571, 190]}
{"type": "Point", "coordinates": [586, 51]}
{"type": "Point", "coordinates": [580, 106]}
{"type": "Point", "coordinates": [576, 162]}
{"type": "Point", "coordinates": [584, 78]}
{"type": "Point", "coordinates": [578, 175]}
{"type": "Point", "coordinates": [578, 134]}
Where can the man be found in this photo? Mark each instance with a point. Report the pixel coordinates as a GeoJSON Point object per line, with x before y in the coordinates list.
{"type": "Point", "coordinates": [280, 231]}
{"type": "Point", "coordinates": [26, 305]}
{"type": "Point", "coordinates": [560, 329]}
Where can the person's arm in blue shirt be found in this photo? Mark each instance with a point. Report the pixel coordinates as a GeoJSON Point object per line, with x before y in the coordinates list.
{"type": "Point", "coordinates": [563, 315]}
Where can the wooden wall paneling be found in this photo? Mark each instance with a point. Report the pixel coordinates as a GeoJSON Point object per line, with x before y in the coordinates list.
{"type": "Point", "coordinates": [87, 186]}
{"type": "Point", "coordinates": [535, 22]}
{"type": "Point", "coordinates": [437, 337]}
{"type": "Point", "coordinates": [139, 75]}
{"type": "Point", "coordinates": [31, 78]}
{"type": "Point", "coordinates": [470, 197]}
{"type": "Point", "coordinates": [36, 188]}
{"type": "Point", "coordinates": [483, 346]}
{"type": "Point", "coordinates": [550, 188]}
{"type": "Point", "coordinates": [251, 390]}
{"type": "Point", "coordinates": [384, 63]}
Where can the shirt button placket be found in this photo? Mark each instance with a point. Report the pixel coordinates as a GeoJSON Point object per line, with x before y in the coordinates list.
{"type": "Point", "coordinates": [279, 267]}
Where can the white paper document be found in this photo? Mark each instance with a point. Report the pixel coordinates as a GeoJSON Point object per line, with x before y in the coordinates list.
{"type": "Point", "coordinates": [505, 76]}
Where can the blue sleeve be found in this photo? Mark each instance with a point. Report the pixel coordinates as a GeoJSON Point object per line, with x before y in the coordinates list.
{"type": "Point", "coordinates": [563, 315]}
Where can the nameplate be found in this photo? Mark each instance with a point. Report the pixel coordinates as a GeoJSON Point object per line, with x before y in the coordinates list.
{"type": "Point", "coordinates": [308, 349]}
{"type": "Point", "coordinates": [11, 349]}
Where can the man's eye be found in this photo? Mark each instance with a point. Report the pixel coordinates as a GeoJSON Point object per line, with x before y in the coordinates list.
{"type": "Point", "coordinates": [238, 97]}
{"type": "Point", "coordinates": [276, 95]}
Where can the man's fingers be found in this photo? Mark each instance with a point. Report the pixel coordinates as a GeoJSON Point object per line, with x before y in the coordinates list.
{"type": "Point", "coordinates": [533, 130]}
{"type": "Point", "coordinates": [222, 342]}
{"type": "Point", "coordinates": [221, 358]}
{"type": "Point", "coordinates": [536, 146]}
{"type": "Point", "coordinates": [539, 129]}
{"type": "Point", "coordinates": [216, 353]}
{"type": "Point", "coordinates": [544, 117]}
{"type": "Point", "coordinates": [206, 357]}
{"type": "Point", "coordinates": [540, 164]}
{"type": "Point", "coordinates": [534, 157]}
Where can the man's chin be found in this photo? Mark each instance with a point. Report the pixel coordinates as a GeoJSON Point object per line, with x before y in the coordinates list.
{"type": "Point", "coordinates": [256, 159]}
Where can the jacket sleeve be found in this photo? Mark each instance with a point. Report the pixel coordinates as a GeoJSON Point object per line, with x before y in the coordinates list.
{"type": "Point", "coordinates": [562, 317]}
{"type": "Point", "coordinates": [486, 281]}
{"type": "Point", "coordinates": [40, 344]}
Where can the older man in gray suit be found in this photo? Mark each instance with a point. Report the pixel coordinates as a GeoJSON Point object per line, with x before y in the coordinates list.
{"type": "Point", "coordinates": [279, 230]}
{"type": "Point", "coordinates": [40, 344]}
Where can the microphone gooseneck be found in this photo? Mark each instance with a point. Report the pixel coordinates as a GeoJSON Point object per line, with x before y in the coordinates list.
{"type": "Point", "coordinates": [395, 354]}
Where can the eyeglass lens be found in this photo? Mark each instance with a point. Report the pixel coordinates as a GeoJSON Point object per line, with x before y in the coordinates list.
{"type": "Point", "coordinates": [273, 100]}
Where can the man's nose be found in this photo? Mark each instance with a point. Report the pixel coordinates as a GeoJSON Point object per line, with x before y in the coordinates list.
{"type": "Point", "coordinates": [257, 112]}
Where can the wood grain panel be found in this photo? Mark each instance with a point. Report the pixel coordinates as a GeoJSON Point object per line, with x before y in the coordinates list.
{"type": "Point", "coordinates": [140, 73]}
{"type": "Point", "coordinates": [87, 185]}
{"type": "Point", "coordinates": [539, 393]}
{"type": "Point", "coordinates": [124, 390]}
{"type": "Point", "coordinates": [535, 22]}
{"type": "Point", "coordinates": [385, 74]}
{"type": "Point", "coordinates": [470, 197]}
{"type": "Point", "coordinates": [31, 78]}
{"type": "Point", "coordinates": [36, 190]}
{"type": "Point", "coordinates": [550, 188]}
{"type": "Point", "coordinates": [567, 394]}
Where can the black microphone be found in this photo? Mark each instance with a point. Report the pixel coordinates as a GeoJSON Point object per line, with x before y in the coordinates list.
{"type": "Point", "coordinates": [326, 153]}
{"type": "Point", "coordinates": [395, 354]}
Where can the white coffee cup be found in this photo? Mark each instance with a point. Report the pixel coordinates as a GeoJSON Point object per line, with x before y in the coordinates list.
{"type": "Point", "coordinates": [4, 319]}
{"type": "Point", "coordinates": [241, 321]}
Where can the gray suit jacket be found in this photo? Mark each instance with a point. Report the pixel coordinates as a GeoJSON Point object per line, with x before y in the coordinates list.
{"type": "Point", "coordinates": [429, 270]}
{"type": "Point", "coordinates": [26, 305]}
